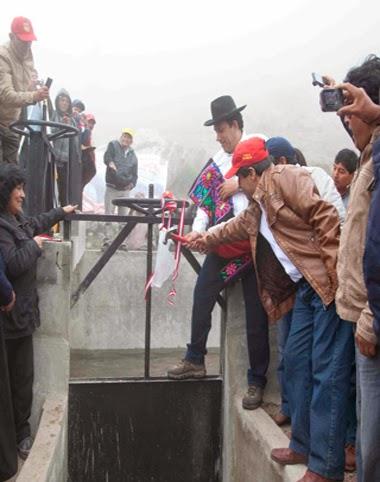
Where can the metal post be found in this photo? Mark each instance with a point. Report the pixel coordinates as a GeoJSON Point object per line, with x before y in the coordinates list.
{"type": "Point", "coordinates": [148, 306]}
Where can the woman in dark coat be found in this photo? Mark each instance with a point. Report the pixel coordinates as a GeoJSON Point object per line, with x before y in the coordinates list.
{"type": "Point", "coordinates": [8, 450]}
{"type": "Point", "coordinates": [21, 246]}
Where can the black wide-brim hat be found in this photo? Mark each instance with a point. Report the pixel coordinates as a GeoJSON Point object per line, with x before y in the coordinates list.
{"type": "Point", "coordinates": [222, 109]}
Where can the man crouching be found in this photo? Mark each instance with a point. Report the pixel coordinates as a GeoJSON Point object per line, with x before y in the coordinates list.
{"type": "Point", "coordinates": [294, 236]}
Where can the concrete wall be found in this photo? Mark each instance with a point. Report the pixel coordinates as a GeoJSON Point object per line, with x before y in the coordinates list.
{"type": "Point", "coordinates": [48, 459]}
{"type": "Point", "coordinates": [111, 314]}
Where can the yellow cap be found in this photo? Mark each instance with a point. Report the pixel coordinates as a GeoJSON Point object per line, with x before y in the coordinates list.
{"type": "Point", "coordinates": [128, 131]}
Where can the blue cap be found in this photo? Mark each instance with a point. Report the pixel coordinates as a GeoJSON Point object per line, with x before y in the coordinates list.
{"type": "Point", "coordinates": [279, 146]}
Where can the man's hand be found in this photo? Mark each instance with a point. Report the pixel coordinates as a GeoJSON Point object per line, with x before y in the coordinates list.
{"type": "Point", "coordinates": [200, 245]}
{"type": "Point", "coordinates": [329, 81]}
{"type": "Point", "coordinates": [228, 188]}
{"type": "Point", "coordinates": [69, 209]}
{"type": "Point", "coordinates": [191, 238]}
{"type": "Point", "coordinates": [10, 305]}
{"type": "Point", "coordinates": [112, 165]}
{"type": "Point", "coordinates": [358, 104]}
{"type": "Point", "coordinates": [41, 94]}
{"type": "Point", "coordinates": [366, 348]}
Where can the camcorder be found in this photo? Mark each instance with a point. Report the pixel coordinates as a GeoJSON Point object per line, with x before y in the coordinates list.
{"type": "Point", "coordinates": [331, 100]}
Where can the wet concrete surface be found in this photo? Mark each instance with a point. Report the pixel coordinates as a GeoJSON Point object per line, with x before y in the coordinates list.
{"type": "Point", "coordinates": [130, 363]}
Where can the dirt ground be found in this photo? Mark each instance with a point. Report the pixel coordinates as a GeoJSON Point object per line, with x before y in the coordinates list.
{"type": "Point", "coordinates": [272, 409]}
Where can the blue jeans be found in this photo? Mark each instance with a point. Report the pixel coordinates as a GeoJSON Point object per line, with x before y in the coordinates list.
{"type": "Point", "coordinates": [208, 286]}
{"type": "Point", "coordinates": [283, 328]}
{"type": "Point", "coordinates": [318, 360]}
{"type": "Point", "coordinates": [368, 410]}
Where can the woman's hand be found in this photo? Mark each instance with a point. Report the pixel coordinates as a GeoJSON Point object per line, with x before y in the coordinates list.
{"type": "Point", "coordinates": [69, 209]}
{"type": "Point", "coordinates": [39, 240]}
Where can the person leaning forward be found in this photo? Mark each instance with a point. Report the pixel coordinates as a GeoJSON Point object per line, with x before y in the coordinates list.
{"type": "Point", "coordinates": [16, 85]}
{"type": "Point", "coordinates": [294, 237]}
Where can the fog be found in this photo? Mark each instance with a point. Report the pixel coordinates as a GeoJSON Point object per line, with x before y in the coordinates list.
{"type": "Point", "coordinates": [157, 65]}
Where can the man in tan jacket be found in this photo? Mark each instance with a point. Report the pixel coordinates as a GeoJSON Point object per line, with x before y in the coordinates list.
{"type": "Point", "coordinates": [294, 236]}
{"type": "Point", "coordinates": [16, 86]}
{"type": "Point", "coordinates": [352, 296]}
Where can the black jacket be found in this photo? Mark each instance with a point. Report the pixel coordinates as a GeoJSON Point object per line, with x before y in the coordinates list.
{"type": "Point", "coordinates": [20, 253]}
{"type": "Point", "coordinates": [126, 166]}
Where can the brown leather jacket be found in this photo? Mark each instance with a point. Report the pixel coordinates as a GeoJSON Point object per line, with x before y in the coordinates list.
{"type": "Point", "coordinates": [304, 226]}
{"type": "Point", "coordinates": [351, 297]}
{"type": "Point", "coordinates": [15, 80]}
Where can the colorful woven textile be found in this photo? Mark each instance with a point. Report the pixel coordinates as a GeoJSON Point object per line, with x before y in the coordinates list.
{"type": "Point", "coordinates": [205, 194]}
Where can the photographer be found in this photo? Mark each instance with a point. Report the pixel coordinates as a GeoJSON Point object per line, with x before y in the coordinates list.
{"type": "Point", "coordinates": [352, 298]}
{"type": "Point", "coordinates": [21, 246]}
{"type": "Point", "coordinates": [16, 84]}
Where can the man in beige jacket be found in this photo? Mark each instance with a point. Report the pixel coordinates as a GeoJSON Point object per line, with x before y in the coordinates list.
{"type": "Point", "coordinates": [352, 297]}
{"type": "Point", "coordinates": [16, 86]}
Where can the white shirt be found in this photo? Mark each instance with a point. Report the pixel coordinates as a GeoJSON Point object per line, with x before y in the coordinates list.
{"type": "Point", "coordinates": [288, 266]}
{"type": "Point", "coordinates": [327, 190]}
{"type": "Point", "coordinates": [223, 160]}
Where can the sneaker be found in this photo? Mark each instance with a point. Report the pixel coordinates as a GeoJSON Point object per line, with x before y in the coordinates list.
{"type": "Point", "coordinates": [253, 398]}
{"type": "Point", "coordinates": [24, 447]}
{"type": "Point", "coordinates": [186, 369]}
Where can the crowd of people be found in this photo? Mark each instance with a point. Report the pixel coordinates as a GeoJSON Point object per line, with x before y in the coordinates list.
{"type": "Point", "coordinates": [304, 244]}
{"type": "Point", "coordinates": [23, 96]}
{"type": "Point", "coordinates": [315, 270]}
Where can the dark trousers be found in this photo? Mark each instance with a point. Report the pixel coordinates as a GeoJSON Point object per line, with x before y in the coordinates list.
{"type": "Point", "coordinates": [21, 373]}
{"type": "Point", "coordinates": [9, 142]}
{"type": "Point", "coordinates": [318, 361]}
{"type": "Point", "coordinates": [8, 448]}
{"type": "Point", "coordinates": [208, 286]}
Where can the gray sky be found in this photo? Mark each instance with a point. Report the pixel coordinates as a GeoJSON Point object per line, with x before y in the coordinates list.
{"type": "Point", "coordinates": [157, 65]}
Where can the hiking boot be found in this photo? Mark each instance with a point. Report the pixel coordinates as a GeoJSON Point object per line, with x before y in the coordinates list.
{"type": "Point", "coordinates": [253, 398]}
{"type": "Point", "coordinates": [24, 447]}
{"type": "Point", "coordinates": [186, 369]}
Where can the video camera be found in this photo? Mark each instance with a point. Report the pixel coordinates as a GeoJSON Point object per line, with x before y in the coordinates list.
{"type": "Point", "coordinates": [331, 100]}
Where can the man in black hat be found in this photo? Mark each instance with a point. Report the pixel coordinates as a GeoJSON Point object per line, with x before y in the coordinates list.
{"type": "Point", "coordinates": [228, 126]}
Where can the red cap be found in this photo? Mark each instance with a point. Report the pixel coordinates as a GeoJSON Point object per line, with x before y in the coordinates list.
{"type": "Point", "coordinates": [23, 29]}
{"type": "Point", "coordinates": [247, 153]}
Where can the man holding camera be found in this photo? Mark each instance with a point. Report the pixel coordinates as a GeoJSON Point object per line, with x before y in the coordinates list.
{"type": "Point", "coordinates": [16, 84]}
{"type": "Point", "coordinates": [352, 297]}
